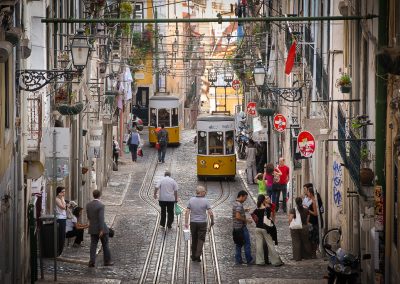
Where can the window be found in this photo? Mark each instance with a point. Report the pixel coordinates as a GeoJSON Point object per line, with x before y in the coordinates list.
{"type": "Point", "coordinates": [174, 118]}
{"type": "Point", "coordinates": [216, 143]}
{"type": "Point", "coordinates": [163, 117]}
{"type": "Point", "coordinates": [138, 14]}
{"type": "Point", "coordinates": [230, 149]}
{"type": "Point", "coordinates": [202, 142]}
{"type": "Point", "coordinates": [153, 117]}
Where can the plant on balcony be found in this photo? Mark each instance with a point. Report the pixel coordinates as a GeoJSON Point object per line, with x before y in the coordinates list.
{"type": "Point", "coordinates": [126, 10]}
{"type": "Point", "coordinates": [367, 175]}
{"type": "Point", "coordinates": [142, 44]}
{"type": "Point", "coordinates": [266, 111]}
{"type": "Point", "coordinates": [74, 109]}
{"type": "Point", "coordinates": [344, 83]}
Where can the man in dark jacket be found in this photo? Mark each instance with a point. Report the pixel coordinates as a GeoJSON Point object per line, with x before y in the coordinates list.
{"type": "Point", "coordinates": [98, 229]}
{"type": "Point", "coordinates": [162, 139]}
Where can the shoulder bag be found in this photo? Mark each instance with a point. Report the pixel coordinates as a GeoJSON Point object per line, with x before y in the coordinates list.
{"type": "Point", "coordinates": [296, 222]}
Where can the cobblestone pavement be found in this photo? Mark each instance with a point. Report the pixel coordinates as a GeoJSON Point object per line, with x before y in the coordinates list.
{"type": "Point", "coordinates": [133, 214]}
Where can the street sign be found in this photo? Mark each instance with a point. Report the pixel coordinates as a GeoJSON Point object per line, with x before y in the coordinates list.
{"type": "Point", "coordinates": [251, 108]}
{"type": "Point", "coordinates": [280, 122]}
{"type": "Point", "coordinates": [236, 84]}
{"type": "Point", "coordinates": [306, 143]}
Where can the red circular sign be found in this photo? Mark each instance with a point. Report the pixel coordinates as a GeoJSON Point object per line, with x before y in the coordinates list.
{"type": "Point", "coordinates": [251, 108]}
{"type": "Point", "coordinates": [280, 122]}
{"type": "Point", "coordinates": [306, 143]}
{"type": "Point", "coordinates": [236, 84]}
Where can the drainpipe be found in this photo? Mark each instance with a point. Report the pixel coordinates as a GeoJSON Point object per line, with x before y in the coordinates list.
{"type": "Point", "coordinates": [314, 75]}
{"type": "Point", "coordinates": [380, 133]}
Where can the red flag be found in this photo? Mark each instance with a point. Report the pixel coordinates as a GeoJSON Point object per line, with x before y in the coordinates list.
{"type": "Point", "coordinates": [290, 58]}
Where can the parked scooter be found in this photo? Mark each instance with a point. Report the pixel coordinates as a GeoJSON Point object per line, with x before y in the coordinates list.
{"type": "Point", "coordinates": [242, 141]}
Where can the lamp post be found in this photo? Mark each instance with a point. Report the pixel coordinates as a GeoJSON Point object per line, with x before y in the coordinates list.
{"type": "Point", "coordinates": [228, 78]}
{"type": "Point", "coordinates": [212, 78]}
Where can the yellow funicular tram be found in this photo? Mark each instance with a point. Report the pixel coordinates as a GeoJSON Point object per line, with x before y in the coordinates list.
{"type": "Point", "coordinates": [164, 109]}
{"type": "Point", "coordinates": [216, 156]}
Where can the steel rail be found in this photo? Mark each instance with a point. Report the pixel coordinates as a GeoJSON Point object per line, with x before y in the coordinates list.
{"type": "Point", "coordinates": [209, 20]}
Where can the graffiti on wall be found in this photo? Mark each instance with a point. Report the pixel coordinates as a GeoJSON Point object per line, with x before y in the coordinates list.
{"type": "Point", "coordinates": [337, 184]}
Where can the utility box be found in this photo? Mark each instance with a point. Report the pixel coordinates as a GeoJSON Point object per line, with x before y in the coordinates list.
{"type": "Point", "coordinates": [47, 236]}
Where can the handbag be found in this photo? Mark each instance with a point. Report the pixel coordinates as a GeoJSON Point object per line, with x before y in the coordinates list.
{"type": "Point", "coordinates": [267, 221]}
{"type": "Point", "coordinates": [178, 209]}
{"type": "Point", "coordinates": [238, 236]}
{"type": "Point", "coordinates": [158, 146]}
{"type": "Point", "coordinates": [140, 152]}
{"type": "Point", "coordinates": [111, 232]}
{"type": "Point", "coordinates": [296, 223]}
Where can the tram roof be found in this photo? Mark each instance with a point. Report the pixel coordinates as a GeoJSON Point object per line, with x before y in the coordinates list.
{"type": "Point", "coordinates": [216, 118]}
{"type": "Point", "coordinates": [163, 98]}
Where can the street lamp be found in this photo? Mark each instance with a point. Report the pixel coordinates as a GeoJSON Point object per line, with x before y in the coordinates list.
{"type": "Point", "coordinates": [80, 49]}
{"type": "Point", "coordinates": [33, 80]}
{"type": "Point", "coordinates": [212, 76]}
{"type": "Point", "coordinates": [228, 78]}
{"type": "Point", "coordinates": [259, 73]}
{"type": "Point", "coordinates": [115, 64]}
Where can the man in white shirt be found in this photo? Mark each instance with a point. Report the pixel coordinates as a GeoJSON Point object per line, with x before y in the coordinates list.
{"type": "Point", "coordinates": [168, 197]}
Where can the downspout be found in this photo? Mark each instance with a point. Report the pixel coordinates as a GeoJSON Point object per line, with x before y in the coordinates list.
{"type": "Point", "coordinates": [380, 129]}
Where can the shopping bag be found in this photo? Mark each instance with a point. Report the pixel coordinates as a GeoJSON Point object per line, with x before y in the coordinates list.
{"type": "Point", "coordinates": [140, 152]}
{"type": "Point", "coordinates": [296, 222]}
{"type": "Point", "coordinates": [186, 234]}
{"type": "Point", "coordinates": [178, 209]}
{"type": "Point", "coordinates": [158, 146]}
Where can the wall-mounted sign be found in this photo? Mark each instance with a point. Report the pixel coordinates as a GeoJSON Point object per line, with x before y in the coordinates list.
{"type": "Point", "coordinates": [280, 122]}
{"type": "Point", "coordinates": [306, 144]}
{"type": "Point", "coordinates": [62, 138]}
{"type": "Point", "coordinates": [251, 108]}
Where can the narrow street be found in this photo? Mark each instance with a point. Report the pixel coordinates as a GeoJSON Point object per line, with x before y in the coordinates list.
{"type": "Point", "coordinates": [133, 213]}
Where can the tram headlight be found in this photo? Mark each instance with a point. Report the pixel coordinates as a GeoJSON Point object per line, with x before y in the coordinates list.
{"type": "Point", "coordinates": [216, 166]}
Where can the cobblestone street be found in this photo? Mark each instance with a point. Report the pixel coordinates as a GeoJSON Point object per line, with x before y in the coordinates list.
{"type": "Point", "coordinates": [133, 213]}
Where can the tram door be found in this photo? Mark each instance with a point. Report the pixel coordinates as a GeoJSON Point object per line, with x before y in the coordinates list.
{"type": "Point", "coordinates": [141, 106]}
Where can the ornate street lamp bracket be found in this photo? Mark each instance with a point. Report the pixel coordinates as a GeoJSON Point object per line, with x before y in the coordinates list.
{"type": "Point", "coordinates": [33, 80]}
{"type": "Point", "coordinates": [287, 94]}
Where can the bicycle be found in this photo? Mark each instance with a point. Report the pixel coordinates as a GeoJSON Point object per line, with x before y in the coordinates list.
{"type": "Point", "coordinates": [331, 241]}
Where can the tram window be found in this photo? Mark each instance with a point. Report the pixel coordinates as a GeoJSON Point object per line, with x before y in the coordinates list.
{"type": "Point", "coordinates": [202, 142]}
{"type": "Point", "coordinates": [163, 117]}
{"type": "Point", "coordinates": [174, 117]}
{"type": "Point", "coordinates": [153, 117]}
{"type": "Point", "coordinates": [216, 143]}
{"type": "Point", "coordinates": [229, 142]}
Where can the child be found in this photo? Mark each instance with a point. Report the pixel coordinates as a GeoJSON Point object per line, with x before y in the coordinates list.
{"type": "Point", "coordinates": [259, 179]}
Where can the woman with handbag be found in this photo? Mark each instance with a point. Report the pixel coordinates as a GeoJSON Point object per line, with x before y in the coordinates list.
{"type": "Point", "coordinates": [298, 219]}
{"type": "Point", "coordinates": [265, 232]}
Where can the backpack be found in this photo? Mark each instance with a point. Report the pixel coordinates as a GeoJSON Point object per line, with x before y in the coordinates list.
{"type": "Point", "coordinates": [163, 138]}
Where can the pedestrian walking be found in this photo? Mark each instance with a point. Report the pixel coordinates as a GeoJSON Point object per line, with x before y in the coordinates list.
{"type": "Point", "coordinates": [61, 214]}
{"type": "Point", "coordinates": [197, 208]}
{"type": "Point", "coordinates": [266, 232]}
{"type": "Point", "coordinates": [115, 151]}
{"type": "Point", "coordinates": [282, 184]}
{"type": "Point", "coordinates": [134, 142]}
{"type": "Point", "coordinates": [168, 197]}
{"type": "Point", "coordinates": [239, 225]}
{"type": "Point", "coordinates": [301, 245]}
{"type": "Point", "coordinates": [162, 139]}
{"type": "Point", "coordinates": [251, 169]}
{"type": "Point", "coordinates": [98, 229]}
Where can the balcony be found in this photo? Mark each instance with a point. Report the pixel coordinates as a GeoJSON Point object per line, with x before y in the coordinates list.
{"type": "Point", "coordinates": [34, 124]}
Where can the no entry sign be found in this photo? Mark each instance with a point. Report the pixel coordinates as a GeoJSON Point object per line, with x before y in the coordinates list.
{"type": "Point", "coordinates": [306, 144]}
{"type": "Point", "coordinates": [280, 122]}
{"type": "Point", "coordinates": [251, 108]}
{"type": "Point", "coordinates": [236, 84]}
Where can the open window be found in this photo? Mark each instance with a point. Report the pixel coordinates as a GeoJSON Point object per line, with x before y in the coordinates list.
{"type": "Point", "coordinates": [202, 142]}
{"type": "Point", "coordinates": [229, 143]}
{"type": "Point", "coordinates": [174, 117]}
{"type": "Point", "coordinates": [164, 117]}
{"type": "Point", "coordinates": [216, 143]}
{"type": "Point", "coordinates": [153, 117]}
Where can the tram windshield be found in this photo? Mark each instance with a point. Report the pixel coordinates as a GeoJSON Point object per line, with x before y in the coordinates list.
{"type": "Point", "coordinates": [229, 142]}
{"type": "Point", "coordinates": [216, 143]}
{"type": "Point", "coordinates": [202, 142]}
{"type": "Point", "coordinates": [174, 117]}
{"type": "Point", "coordinates": [153, 117]}
{"type": "Point", "coordinates": [163, 117]}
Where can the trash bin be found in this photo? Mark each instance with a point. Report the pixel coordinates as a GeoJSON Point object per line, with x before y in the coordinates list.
{"type": "Point", "coordinates": [47, 236]}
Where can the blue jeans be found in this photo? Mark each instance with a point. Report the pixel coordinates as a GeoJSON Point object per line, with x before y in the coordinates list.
{"type": "Point", "coordinates": [277, 189]}
{"type": "Point", "coordinates": [161, 153]}
{"type": "Point", "coordinates": [247, 248]}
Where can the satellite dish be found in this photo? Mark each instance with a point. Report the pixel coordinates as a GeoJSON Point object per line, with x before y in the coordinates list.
{"type": "Point", "coordinates": [33, 169]}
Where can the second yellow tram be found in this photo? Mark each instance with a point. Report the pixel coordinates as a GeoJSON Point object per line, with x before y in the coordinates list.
{"type": "Point", "coordinates": [164, 109]}
{"type": "Point", "coordinates": [216, 156]}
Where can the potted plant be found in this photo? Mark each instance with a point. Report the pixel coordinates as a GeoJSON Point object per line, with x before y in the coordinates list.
{"type": "Point", "coordinates": [344, 83]}
{"type": "Point", "coordinates": [367, 175]}
{"type": "Point", "coordinates": [74, 109]}
{"type": "Point", "coordinates": [265, 111]}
